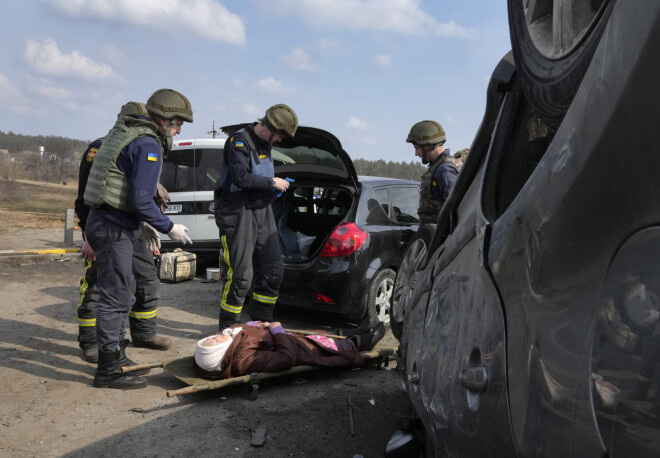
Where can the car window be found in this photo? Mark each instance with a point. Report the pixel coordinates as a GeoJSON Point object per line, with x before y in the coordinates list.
{"type": "Point", "coordinates": [191, 170]}
{"type": "Point", "coordinates": [404, 201]}
{"type": "Point", "coordinates": [378, 204]}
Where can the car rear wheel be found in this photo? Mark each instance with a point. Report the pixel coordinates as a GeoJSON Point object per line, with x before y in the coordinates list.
{"type": "Point", "coordinates": [553, 42]}
{"type": "Point", "coordinates": [379, 298]}
{"type": "Point", "coordinates": [412, 259]}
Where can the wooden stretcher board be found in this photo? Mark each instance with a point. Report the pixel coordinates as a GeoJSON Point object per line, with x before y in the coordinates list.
{"type": "Point", "coordinates": [183, 369]}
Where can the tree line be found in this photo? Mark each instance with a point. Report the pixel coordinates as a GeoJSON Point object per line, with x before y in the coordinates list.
{"type": "Point", "coordinates": [61, 159]}
{"type": "Point", "coordinates": [20, 157]}
{"type": "Point", "coordinates": [403, 170]}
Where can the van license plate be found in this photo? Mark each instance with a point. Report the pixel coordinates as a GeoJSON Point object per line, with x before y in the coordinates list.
{"type": "Point", "coordinates": [174, 208]}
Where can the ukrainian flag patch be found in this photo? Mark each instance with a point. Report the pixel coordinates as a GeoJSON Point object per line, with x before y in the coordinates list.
{"type": "Point", "coordinates": [238, 144]}
{"type": "Point", "coordinates": [152, 157]}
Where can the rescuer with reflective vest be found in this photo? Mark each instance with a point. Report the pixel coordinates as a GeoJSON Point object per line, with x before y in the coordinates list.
{"type": "Point", "coordinates": [243, 213]}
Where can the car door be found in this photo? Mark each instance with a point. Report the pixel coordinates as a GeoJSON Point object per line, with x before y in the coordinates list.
{"type": "Point", "coordinates": [404, 201]}
{"type": "Point", "coordinates": [456, 364]}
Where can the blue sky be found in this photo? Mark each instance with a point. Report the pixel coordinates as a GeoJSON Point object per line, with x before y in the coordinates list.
{"type": "Point", "coordinates": [365, 70]}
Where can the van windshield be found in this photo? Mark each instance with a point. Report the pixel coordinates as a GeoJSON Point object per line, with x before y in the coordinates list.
{"type": "Point", "coordinates": [191, 169]}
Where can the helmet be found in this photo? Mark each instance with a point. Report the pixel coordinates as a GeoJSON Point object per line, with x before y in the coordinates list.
{"type": "Point", "coordinates": [281, 119]}
{"type": "Point", "coordinates": [168, 103]}
{"type": "Point", "coordinates": [133, 109]}
{"type": "Point", "coordinates": [426, 133]}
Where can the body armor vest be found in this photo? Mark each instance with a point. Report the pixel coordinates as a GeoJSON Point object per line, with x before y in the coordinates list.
{"type": "Point", "coordinates": [429, 207]}
{"type": "Point", "coordinates": [262, 166]}
{"type": "Point", "coordinates": [107, 184]}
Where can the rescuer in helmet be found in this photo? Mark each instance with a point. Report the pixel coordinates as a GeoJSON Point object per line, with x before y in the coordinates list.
{"type": "Point", "coordinates": [120, 189]}
{"type": "Point", "coordinates": [142, 317]}
{"type": "Point", "coordinates": [428, 138]}
{"type": "Point", "coordinates": [243, 213]}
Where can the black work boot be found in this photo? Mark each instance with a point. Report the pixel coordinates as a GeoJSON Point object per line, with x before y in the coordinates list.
{"type": "Point", "coordinates": [90, 354]}
{"type": "Point", "coordinates": [368, 340]}
{"type": "Point", "coordinates": [228, 319]}
{"type": "Point", "coordinates": [156, 342]}
{"type": "Point", "coordinates": [109, 374]}
{"type": "Point", "coordinates": [125, 361]}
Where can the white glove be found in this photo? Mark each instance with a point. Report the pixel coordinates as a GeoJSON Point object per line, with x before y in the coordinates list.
{"type": "Point", "coordinates": [178, 234]}
{"type": "Point", "coordinates": [151, 237]}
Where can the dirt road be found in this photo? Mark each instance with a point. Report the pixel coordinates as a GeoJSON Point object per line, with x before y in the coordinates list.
{"type": "Point", "coordinates": [49, 408]}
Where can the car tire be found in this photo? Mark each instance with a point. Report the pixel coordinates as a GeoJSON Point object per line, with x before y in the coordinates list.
{"type": "Point", "coordinates": [412, 259]}
{"type": "Point", "coordinates": [379, 299]}
{"type": "Point", "coordinates": [551, 73]}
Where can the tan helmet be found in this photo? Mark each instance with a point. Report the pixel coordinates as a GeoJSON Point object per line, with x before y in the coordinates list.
{"type": "Point", "coordinates": [133, 109]}
{"type": "Point", "coordinates": [426, 133]}
{"type": "Point", "coordinates": [168, 103]}
{"type": "Point", "coordinates": [281, 119]}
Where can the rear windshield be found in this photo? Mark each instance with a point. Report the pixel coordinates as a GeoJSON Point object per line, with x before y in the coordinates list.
{"type": "Point", "coordinates": [191, 169]}
{"type": "Point", "coordinates": [305, 155]}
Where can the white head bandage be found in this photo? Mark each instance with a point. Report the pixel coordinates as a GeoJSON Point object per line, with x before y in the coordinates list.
{"type": "Point", "coordinates": [209, 358]}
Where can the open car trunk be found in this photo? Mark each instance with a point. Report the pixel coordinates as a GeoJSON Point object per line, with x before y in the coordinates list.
{"type": "Point", "coordinates": [322, 192]}
{"type": "Point", "coordinates": [307, 214]}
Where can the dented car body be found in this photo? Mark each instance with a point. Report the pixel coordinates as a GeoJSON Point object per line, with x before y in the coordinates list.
{"type": "Point", "coordinates": [530, 321]}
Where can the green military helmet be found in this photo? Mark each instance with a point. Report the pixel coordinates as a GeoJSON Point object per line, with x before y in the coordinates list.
{"type": "Point", "coordinates": [426, 133]}
{"type": "Point", "coordinates": [168, 103]}
{"type": "Point", "coordinates": [133, 109]}
{"type": "Point", "coordinates": [281, 119]}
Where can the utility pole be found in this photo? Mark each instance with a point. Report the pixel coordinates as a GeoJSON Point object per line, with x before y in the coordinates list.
{"type": "Point", "coordinates": [213, 132]}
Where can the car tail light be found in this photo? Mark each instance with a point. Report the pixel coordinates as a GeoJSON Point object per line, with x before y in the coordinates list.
{"type": "Point", "coordinates": [344, 240]}
{"type": "Point", "coordinates": [323, 299]}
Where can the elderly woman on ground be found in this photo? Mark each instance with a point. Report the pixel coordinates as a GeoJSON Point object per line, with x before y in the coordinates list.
{"type": "Point", "coordinates": [265, 347]}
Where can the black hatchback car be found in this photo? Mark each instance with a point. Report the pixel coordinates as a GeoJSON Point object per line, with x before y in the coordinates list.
{"type": "Point", "coordinates": [530, 319]}
{"type": "Point", "coordinates": [343, 235]}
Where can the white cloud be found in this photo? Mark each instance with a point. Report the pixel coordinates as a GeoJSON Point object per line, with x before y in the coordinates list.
{"type": "Point", "coordinates": [47, 59]}
{"type": "Point", "coordinates": [405, 17]}
{"type": "Point", "coordinates": [369, 141]}
{"type": "Point", "coordinates": [52, 92]}
{"type": "Point", "coordinates": [7, 89]}
{"type": "Point", "coordinates": [206, 18]}
{"type": "Point", "coordinates": [355, 123]}
{"type": "Point", "coordinates": [273, 86]}
{"type": "Point", "coordinates": [251, 110]}
{"type": "Point", "coordinates": [381, 60]}
{"type": "Point", "coordinates": [301, 60]}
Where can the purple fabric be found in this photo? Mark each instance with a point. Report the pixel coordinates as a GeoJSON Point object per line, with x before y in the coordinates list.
{"type": "Point", "coordinates": [252, 323]}
{"type": "Point", "coordinates": [276, 330]}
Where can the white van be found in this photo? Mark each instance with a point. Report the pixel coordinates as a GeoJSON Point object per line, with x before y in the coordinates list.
{"type": "Point", "coordinates": [191, 171]}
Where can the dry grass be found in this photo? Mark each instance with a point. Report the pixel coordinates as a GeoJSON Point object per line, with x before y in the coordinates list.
{"type": "Point", "coordinates": [32, 205]}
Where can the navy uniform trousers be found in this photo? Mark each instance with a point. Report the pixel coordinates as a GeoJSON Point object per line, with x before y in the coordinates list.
{"type": "Point", "coordinates": [122, 285]}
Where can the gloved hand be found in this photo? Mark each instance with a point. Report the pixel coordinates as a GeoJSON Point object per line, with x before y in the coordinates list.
{"type": "Point", "coordinates": [178, 234]}
{"type": "Point", "coordinates": [151, 238]}
{"type": "Point", "coordinates": [87, 252]}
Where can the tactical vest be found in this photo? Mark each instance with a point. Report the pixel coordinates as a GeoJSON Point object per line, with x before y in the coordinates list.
{"type": "Point", "coordinates": [258, 166]}
{"type": "Point", "coordinates": [429, 207]}
{"type": "Point", "coordinates": [107, 184]}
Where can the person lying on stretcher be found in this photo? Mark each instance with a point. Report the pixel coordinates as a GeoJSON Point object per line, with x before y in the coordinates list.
{"type": "Point", "coordinates": [254, 346]}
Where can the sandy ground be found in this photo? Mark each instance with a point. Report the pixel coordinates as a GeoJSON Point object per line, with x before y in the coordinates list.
{"type": "Point", "coordinates": [49, 408]}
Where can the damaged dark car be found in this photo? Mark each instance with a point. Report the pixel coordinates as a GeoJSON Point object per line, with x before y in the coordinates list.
{"type": "Point", "coordinates": [529, 319]}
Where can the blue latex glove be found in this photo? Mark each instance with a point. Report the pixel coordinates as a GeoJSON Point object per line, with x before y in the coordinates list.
{"type": "Point", "coordinates": [290, 180]}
